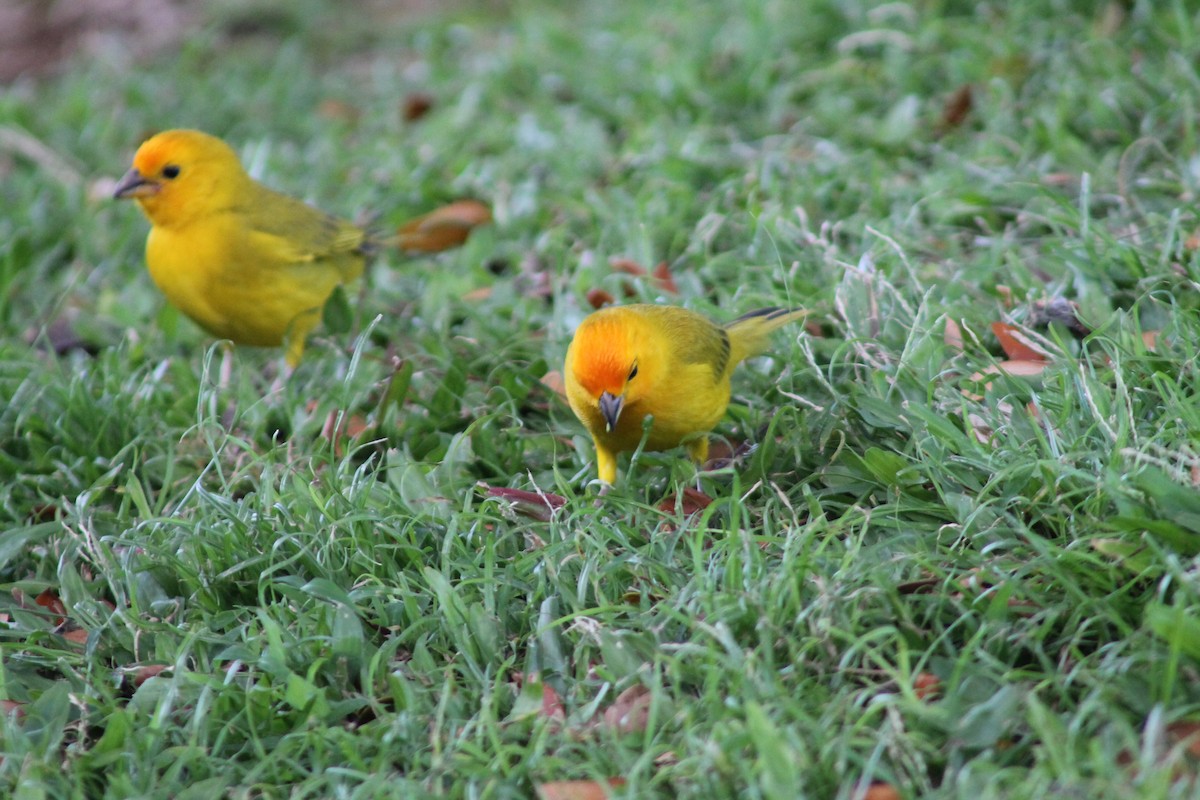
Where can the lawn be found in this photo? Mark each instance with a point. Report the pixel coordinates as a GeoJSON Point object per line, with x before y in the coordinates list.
{"type": "Point", "coordinates": [956, 556]}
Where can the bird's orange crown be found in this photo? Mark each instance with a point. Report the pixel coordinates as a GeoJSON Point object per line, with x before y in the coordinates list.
{"type": "Point", "coordinates": [604, 353]}
{"type": "Point", "coordinates": [178, 173]}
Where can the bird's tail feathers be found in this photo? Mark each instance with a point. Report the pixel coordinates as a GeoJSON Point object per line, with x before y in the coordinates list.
{"type": "Point", "coordinates": [748, 334]}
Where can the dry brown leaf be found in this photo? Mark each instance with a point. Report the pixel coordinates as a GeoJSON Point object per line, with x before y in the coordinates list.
{"type": "Point", "coordinates": [141, 674]}
{"type": "Point", "coordinates": [49, 600]}
{"type": "Point", "coordinates": [880, 790]}
{"type": "Point", "coordinates": [1017, 369]}
{"type": "Point", "coordinates": [953, 337]}
{"type": "Point", "coordinates": [552, 705]}
{"type": "Point", "coordinates": [1016, 345]}
{"type": "Point", "coordinates": [957, 108]}
{"type": "Point", "coordinates": [666, 281]}
{"type": "Point", "coordinates": [926, 685]}
{"type": "Point", "coordinates": [539, 505]}
{"type": "Point", "coordinates": [598, 298]}
{"type": "Point", "coordinates": [1150, 340]}
{"type": "Point", "coordinates": [443, 228]}
{"type": "Point", "coordinates": [78, 636]}
{"type": "Point", "coordinates": [577, 790]}
{"type": "Point", "coordinates": [12, 708]}
{"type": "Point", "coordinates": [478, 295]}
{"type": "Point", "coordinates": [416, 105]}
{"type": "Point", "coordinates": [628, 266]}
{"type": "Point", "coordinates": [630, 712]}
{"type": "Point", "coordinates": [690, 501]}
{"type": "Point", "coordinates": [554, 381]}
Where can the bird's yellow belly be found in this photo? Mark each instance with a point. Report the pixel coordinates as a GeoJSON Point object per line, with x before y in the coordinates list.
{"type": "Point", "coordinates": [236, 294]}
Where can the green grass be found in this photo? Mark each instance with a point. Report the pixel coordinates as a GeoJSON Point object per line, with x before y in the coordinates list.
{"type": "Point", "coordinates": [347, 618]}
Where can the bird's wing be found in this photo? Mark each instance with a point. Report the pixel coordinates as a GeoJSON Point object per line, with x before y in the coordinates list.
{"type": "Point", "coordinates": [697, 341]}
{"type": "Point", "coordinates": [298, 233]}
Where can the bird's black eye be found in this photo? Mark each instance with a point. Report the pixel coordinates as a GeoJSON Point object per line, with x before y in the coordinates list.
{"type": "Point", "coordinates": [632, 373]}
{"type": "Point", "coordinates": [170, 171]}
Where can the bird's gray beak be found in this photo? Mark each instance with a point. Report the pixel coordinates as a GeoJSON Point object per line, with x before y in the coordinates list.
{"type": "Point", "coordinates": [610, 409]}
{"type": "Point", "coordinates": [134, 184]}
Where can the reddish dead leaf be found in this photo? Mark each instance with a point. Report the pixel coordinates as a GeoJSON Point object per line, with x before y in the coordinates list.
{"type": "Point", "coordinates": [1016, 345]}
{"type": "Point", "coordinates": [598, 298]}
{"type": "Point", "coordinates": [1017, 369]}
{"type": "Point", "coordinates": [477, 295]}
{"type": "Point", "coordinates": [881, 791]}
{"type": "Point", "coordinates": [1192, 242]}
{"type": "Point", "coordinates": [577, 790]}
{"type": "Point", "coordinates": [554, 381]}
{"type": "Point", "coordinates": [689, 501]}
{"type": "Point", "coordinates": [919, 586]}
{"type": "Point", "coordinates": [552, 705]}
{"type": "Point", "coordinates": [813, 328]}
{"type": "Point", "coordinates": [1005, 293]}
{"type": "Point", "coordinates": [139, 675]}
{"type": "Point", "coordinates": [1150, 339]}
{"type": "Point", "coordinates": [1186, 733]}
{"type": "Point", "coordinates": [12, 708]}
{"type": "Point", "coordinates": [50, 601]}
{"type": "Point", "coordinates": [443, 228]}
{"type": "Point", "coordinates": [953, 337]}
{"type": "Point", "coordinates": [628, 266]}
{"type": "Point", "coordinates": [339, 429]}
{"type": "Point", "coordinates": [539, 505]}
{"type": "Point", "coordinates": [630, 712]}
{"type": "Point", "coordinates": [416, 105]}
{"type": "Point", "coordinates": [338, 110]}
{"type": "Point", "coordinates": [957, 108]}
{"type": "Point", "coordinates": [926, 685]}
{"type": "Point", "coordinates": [78, 636]}
{"type": "Point", "coordinates": [666, 281]}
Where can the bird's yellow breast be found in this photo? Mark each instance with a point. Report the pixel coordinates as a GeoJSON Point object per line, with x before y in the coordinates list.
{"type": "Point", "coordinates": [240, 284]}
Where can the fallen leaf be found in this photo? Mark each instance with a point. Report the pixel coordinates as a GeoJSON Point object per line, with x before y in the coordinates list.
{"type": "Point", "coordinates": [689, 501]}
{"type": "Point", "coordinates": [628, 266]}
{"type": "Point", "coordinates": [139, 675]}
{"type": "Point", "coordinates": [953, 337]}
{"type": "Point", "coordinates": [880, 790]}
{"type": "Point", "coordinates": [1150, 340]}
{"type": "Point", "coordinates": [50, 601]}
{"type": "Point", "coordinates": [416, 105]}
{"type": "Point", "coordinates": [554, 381]}
{"type": "Point", "coordinates": [552, 705]}
{"type": "Point", "coordinates": [78, 636]}
{"type": "Point", "coordinates": [443, 228]}
{"type": "Point", "coordinates": [12, 708]}
{"type": "Point", "coordinates": [926, 685]}
{"type": "Point", "coordinates": [539, 505]}
{"type": "Point", "coordinates": [577, 790]}
{"type": "Point", "coordinates": [666, 282]}
{"type": "Point", "coordinates": [956, 108]}
{"type": "Point", "coordinates": [1017, 369]}
{"type": "Point", "coordinates": [598, 298]}
{"type": "Point", "coordinates": [630, 712]}
{"type": "Point", "coordinates": [1016, 345]}
{"type": "Point", "coordinates": [476, 295]}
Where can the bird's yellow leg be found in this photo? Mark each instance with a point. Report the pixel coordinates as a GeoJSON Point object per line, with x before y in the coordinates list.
{"type": "Point", "coordinates": [297, 335]}
{"type": "Point", "coordinates": [606, 463]}
{"type": "Point", "coordinates": [698, 450]}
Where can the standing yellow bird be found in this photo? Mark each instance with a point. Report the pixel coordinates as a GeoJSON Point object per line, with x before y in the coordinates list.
{"type": "Point", "coordinates": [629, 362]}
{"type": "Point", "coordinates": [246, 262]}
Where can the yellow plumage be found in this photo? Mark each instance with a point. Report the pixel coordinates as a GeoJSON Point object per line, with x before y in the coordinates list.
{"type": "Point", "coordinates": [627, 362]}
{"type": "Point", "coordinates": [245, 262]}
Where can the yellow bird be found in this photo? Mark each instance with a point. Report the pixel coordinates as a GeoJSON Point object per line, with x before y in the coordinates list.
{"type": "Point", "coordinates": [629, 362]}
{"type": "Point", "coordinates": [245, 262]}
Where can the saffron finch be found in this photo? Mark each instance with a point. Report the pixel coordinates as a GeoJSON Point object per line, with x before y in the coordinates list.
{"type": "Point", "coordinates": [248, 263]}
{"type": "Point", "coordinates": [629, 362]}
